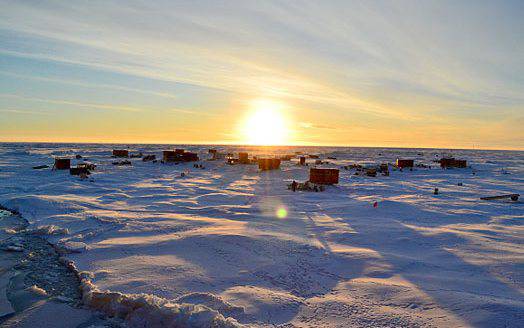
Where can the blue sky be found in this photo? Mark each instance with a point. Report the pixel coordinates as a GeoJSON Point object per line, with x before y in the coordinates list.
{"type": "Point", "coordinates": [370, 73]}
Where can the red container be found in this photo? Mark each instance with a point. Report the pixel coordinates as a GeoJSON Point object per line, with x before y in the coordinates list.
{"type": "Point", "coordinates": [323, 176]}
{"type": "Point", "coordinates": [402, 163]}
{"type": "Point", "coordinates": [62, 163]}
{"type": "Point", "coordinates": [120, 153]}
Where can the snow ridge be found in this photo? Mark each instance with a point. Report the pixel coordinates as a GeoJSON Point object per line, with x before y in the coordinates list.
{"type": "Point", "coordinates": [144, 310]}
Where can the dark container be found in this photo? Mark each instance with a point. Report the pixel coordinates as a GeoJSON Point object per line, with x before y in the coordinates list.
{"type": "Point", "coordinates": [402, 163]}
{"type": "Point", "coordinates": [323, 176]}
{"type": "Point", "coordinates": [452, 162]}
{"type": "Point", "coordinates": [79, 170]}
{"type": "Point", "coordinates": [302, 160]}
{"type": "Point", "coordinates": [62, 163]}
{"type": "Point", "coordinates": [120, 152]}
{"type": "Point", "coordinates": [169, 156]}
{"type": "Point", "coordinates": [178, 155]}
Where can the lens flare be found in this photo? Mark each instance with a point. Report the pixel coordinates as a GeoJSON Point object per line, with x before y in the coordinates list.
{"type": "Point", "coordinates": [281, 213]}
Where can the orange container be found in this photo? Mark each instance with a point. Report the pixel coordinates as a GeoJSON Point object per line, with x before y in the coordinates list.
{"type": "Point", "coordinates": [243, 158]}
{"type": "Point", "coordinates": [265, 164]}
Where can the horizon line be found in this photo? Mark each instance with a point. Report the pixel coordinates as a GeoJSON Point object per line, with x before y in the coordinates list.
{"type": "Point", "coordinates": [251, 145]}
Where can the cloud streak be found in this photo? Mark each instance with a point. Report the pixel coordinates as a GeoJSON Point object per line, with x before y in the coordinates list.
{"type": "Point", "coordinates": [71, 103]}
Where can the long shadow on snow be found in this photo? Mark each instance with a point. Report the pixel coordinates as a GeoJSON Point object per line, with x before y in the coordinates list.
{"type": "Point", "coordinates": [469, 291]}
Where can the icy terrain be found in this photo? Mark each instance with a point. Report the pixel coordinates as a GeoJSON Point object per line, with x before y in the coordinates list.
{"type": "Point", "coordinates": [209, 248]}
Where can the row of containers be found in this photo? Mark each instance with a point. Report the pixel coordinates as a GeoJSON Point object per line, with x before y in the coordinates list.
{"type": "Point", "coordinates": [321, 176]}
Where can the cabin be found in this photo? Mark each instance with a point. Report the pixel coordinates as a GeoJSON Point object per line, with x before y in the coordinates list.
{"type": "Point", "coordinates": [451, 162]}
{"type": "Point", "coordinates": [62, 164]}
{"type": "Point", "coordinates": [266, 164]}
{"type": "Point", "coordinates": [120, 153]}
{"type": "Point", "coordinates": [403, 163]}
{"type": "Point", "coordinates": [302, 160]}
{"type": "Point", "coordinates": [323, 176]}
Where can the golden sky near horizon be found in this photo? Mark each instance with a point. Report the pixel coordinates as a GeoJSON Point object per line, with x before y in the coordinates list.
{"type": "Point", "coordinates": [402, 74]}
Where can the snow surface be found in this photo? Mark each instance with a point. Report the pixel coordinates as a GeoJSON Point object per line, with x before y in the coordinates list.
{"type": "Point", "coordinates": [208, 248]}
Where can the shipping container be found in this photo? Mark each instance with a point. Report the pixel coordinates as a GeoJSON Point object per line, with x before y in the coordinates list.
{"type": "Point", "coordinates": [62, 164]}
{"type": "Point", "coordinates": [120, 153]}
{"type": "Point", "coordinates": [265, 164]}
{"type": "Point", "coordinates": [402, 163]}
{"type": "Point", "coordinates": [323, 176]}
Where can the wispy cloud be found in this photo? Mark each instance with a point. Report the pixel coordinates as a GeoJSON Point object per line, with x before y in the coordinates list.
{"type": "Point", "coordinates": [22, 111]}
{"type": "Point", "coordinates": [88, 85]}
{"type": "Point", "coordinates": [72, 103]}
{"type": "Point", "coordinates": [309, 125]}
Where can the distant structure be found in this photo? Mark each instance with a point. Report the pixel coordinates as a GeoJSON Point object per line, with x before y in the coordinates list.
{"type": "Point", "coordinates": [405, 163]}
{"type": "Point", "coordinates": [323, 176]}
{"type": "Point", "coordinates": [178, 155]}
{"type": "Point", "coordinates": [120, 153]}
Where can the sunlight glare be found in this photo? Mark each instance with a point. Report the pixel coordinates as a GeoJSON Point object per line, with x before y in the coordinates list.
{"type": "Point", "coordinates": [265, 124]}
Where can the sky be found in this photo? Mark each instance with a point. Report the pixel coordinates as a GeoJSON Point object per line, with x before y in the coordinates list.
{"type": "Point", "coordinates": [442, 74]}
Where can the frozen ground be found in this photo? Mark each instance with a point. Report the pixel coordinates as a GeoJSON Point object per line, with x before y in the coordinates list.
{"type": "Point", "coordinates": [213, 238]}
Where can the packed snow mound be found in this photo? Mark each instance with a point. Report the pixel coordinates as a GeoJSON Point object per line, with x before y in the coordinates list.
{"type": "Point", "coordinates": [212, 301]}
{"type": "Point", "coordinates": [142, 310]}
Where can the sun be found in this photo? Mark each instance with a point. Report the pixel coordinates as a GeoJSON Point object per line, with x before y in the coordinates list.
{"type": "Point", "coordinates": [265, 124]}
